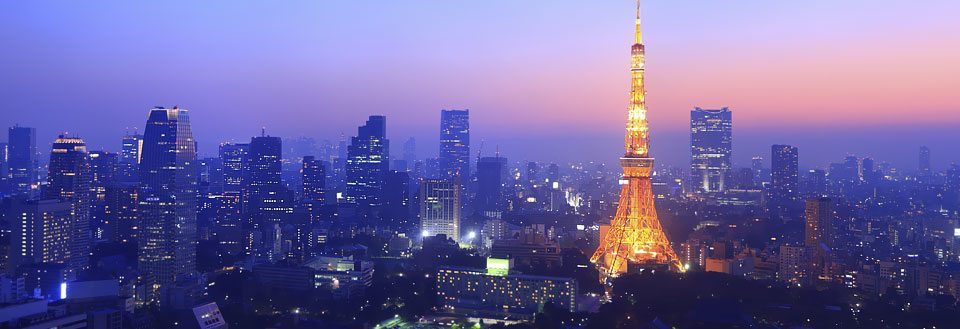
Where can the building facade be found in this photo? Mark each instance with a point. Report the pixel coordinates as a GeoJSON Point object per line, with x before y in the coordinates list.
{"type": "Point", "coordinates": [784, 178]}
{"type": "Point", "coordinates": [711, 149]}
{"type": "Point", "coordinates": [167, 201]}
{"type": "Point", "coordinates": [22, 161]}
{"type": "Point", "coordinates": [367, 163]}
{"type": "Point", "coordinates": [440, 207]}
{"type": "Point", "coordinates": [455, 143]}
{"type": "Point", "coordinates": [496, 291]}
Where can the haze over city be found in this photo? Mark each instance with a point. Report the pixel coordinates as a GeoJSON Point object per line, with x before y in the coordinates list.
{"type": "Point", "coordinates": [545, 79]}
{"type": "Point", "coordinates": [498, 164]}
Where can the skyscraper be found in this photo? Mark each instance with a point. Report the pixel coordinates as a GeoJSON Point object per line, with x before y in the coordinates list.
{"type": "Point", "coordinates": [410, 151]}
{"type": "Point", "coordinates": [314, 176]}
{"type": "Point", "coordinates": [264, 169]}
{"type": "Point", "coordinates": [69, 180]}
{"type": "Point", "coordinates": [228, 227]}
{"type": "Point", "coordinates": [924, 160]}
{"type": "Point", "coordinates": [234, 159]}
{"type": "Point", "coordinates": [455, 143]}
{"type": "Point", "coordinates": [711, 146]}
{"type": "Point", "coordinates": [3, 169]}
{"type": "Point", "coordinates": [314, 179]}
{"type": "Point", "coordinates": [22, 160]}
{"type": "Point", "coordinates": [756, 164]}
{"type": "Point", "coordinates": [636, 226]}
{"type": "Point", "coordinates": [168, 201]}
{"type": "Point", "coordinates": [784, 178]}
{"type": "Point", "coordinates": [491, 175]}
{"type": "Point", "coordinates": [819, 222]}
{"type": "Point", "coordinates": [130, 157]}
{"type": "Point", "coordinates": [440, 207]}
{"type": "Point", "coordinates": [269, 202]}
{"type": "Point", "coordinates": [396, 202]}
{"type": "Point", "coordinates": [69, 169]}
{"type": "Point", "coordinates": [44, 232]}
{"type": "Point", "coordinates": [818, 236]}
{"type": "Point", "coordinates": [368, 163]}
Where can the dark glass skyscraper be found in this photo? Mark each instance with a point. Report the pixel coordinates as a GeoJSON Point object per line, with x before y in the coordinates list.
{"type": "Point", "coordinates": [167, 201]}
{"type": "Point", "coordinates": [314, 176]}
{"type": "Point", "coordinates": [924, 166]}
{"type": "Point", "coordinates": [269, 202]}
{"type": "Point", "coordinates": [130, 157]}
{"type": "Point", "coordinates": [22, 160]}
{"type": "Point", "coordinates": [368, 163]}
{"type": "Point", "coordinates": [711, 148]}
{"type": "Point", "coordinates": [784, 178]}
{"type": "Point", "coordinates": [491, 175]}
{"type": "Point", "coordinates": [396, 202]}
{"type": "Point", "coordinates": [3, 169]}
{"type": "Point", "coordinates": [314, 179]}
{"type": "Point", "coordinates": [69, 180]}
{"type": "Point", "coordinates": [228, 228]}
{"type": "Point", "coordinates": [455, 143]}
{"type": "Point", "coordinates": [264, 169]}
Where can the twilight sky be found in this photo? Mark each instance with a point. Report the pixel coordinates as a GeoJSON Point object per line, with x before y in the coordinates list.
{"type": "Point", "coordinates": [544, 79]}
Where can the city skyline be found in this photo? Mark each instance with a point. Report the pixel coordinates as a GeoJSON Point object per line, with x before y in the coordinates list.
{"type": "Point", "coordinates": [291, 84]}
{"type": "Point", "coordinates": [805, 185]}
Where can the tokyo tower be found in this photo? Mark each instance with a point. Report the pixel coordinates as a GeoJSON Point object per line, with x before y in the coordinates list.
{"type": "Point", "coordinates": [635, 236]}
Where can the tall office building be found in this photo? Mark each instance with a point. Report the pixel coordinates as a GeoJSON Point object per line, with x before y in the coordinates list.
{"type": "Point", "coordinates": [22, 160]}
{"type": "Point", "coordinates": [711, 147]}
{"type": "Point", "coordinates": [368, 163]}
{"type": "Point", "coordinates": [130, 157]}
{"type": "Point", "coordinates": [924, 160]}
{"type": "Point", "coordinates": [410, 151]}
{"type": "Point", "coordinates": [784, 177]}
{"type": "Point", "coordinates": [269, 202]}
{"type": "Point", "coordinates": [233, 156]}
{"type": "Point", "coordinates": [396, 202]}
{"type": "Point", "coordinates": [229, 220]}
{"type": "Point", "coordinates": [491, 176]}
{"type": "Point", "coordinates": [123, 202]}
{"type": "Point", "coordinates": [103, 173]}
{"type": "Point", "coordinates": [816, 183]}
{"type": "Point", "coordinates": [819, 236]}
{"type": "Point", "coordinates": [44, 232]}
{"type": "Point", "coordinates": [440, 207]}
{"type": "Point", "coordinates": [69, 169]}
{"type": "Point", "coordinates": [756, 164]}
{"type": "Point", "coordinates": [69, 180]}
{"type": "Point", "coordinates": [3, 169]}
{"type": "Point", "coordinates": [264, 169]}
{"type": "Point", "coordinates": [167, 201]}
{"type": "Point", "coordinates": [819, 229]}
{"type": "Point", "coordinates": [314, 179]}
{"type": "Point", "coordinates": [314, 176]}
{"type": "Point", "coordinates": [455, 143]}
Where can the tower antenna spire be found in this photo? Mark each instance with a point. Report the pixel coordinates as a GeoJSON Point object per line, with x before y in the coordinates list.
{"type": "Point", "coordinates": [638, 37]}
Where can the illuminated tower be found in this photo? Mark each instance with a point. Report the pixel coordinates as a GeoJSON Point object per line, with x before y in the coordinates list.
{"type": "Point", "coordinates": [634, 236]}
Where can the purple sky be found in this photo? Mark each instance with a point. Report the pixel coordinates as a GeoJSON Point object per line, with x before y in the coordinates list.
{"type": "Point", "coordinates": [545, 80]}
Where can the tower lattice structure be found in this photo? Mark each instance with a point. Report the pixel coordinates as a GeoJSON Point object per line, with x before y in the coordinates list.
{"type": "Point", "coordinates": [635, 235]}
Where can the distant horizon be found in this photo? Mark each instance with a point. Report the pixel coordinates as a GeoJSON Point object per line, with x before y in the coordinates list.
{"type": "Point", "coordinates": [670, 149]}
{"type": "Point", "coordinates": [543, 79]}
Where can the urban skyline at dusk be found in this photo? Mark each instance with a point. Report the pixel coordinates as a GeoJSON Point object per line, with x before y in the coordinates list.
{"type": "Point", "coordinates": [530, 72]}
{"type": "Point", "coordinates": [431, 164]}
